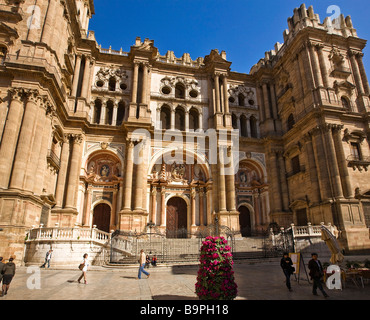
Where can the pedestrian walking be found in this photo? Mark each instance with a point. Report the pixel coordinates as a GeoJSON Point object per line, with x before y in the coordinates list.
{"type": "Point", "coordinates": [47, 258]}
{"type": "Point", "coordinates": [286, 264]}
{"type": "Point", "coordinates": [316, 274]}
{"type": "Point", "coordinates": [8, 275]}
{"type": "Point", "coordinates": [142, 260]}
{"type": "Point", "coordinates": [84, 266]}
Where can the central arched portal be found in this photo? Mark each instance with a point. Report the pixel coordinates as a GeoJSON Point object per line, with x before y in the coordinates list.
{"type": "Point", "coordinates": [245, 221]}
{"type": "Point", "coordinates": [102, 214]}
{"type": "Point", "coordinates": [176, 220]}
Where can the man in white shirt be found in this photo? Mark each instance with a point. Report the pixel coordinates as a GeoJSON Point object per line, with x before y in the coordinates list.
{"type": "Point", "coordinates": [47, 258]}
{"type": "Point", "coordinates": [142, 264]}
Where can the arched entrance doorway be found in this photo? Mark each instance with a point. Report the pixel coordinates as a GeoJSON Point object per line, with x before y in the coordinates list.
{"type": "Point", "coordinates": [102, 214]}
{"type": "Point", "coordinates": [245, 221]}
{"type": "Point", "coordinates": [176, 221]}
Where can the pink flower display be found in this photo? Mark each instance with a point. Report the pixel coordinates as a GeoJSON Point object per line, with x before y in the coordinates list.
{"type": "Point", "coordinates": [215, 279]}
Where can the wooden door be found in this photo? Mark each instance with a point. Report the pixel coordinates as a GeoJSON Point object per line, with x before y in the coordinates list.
{"type": "Point", "coordinates": [102, 217]}
{"type": "Point", "coordinates": [176, 218]}
{"type": "Point", "coordinates": [245, 221]}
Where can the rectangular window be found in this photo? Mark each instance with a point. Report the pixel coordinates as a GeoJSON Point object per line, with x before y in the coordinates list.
{"type": "Point", "coordinates": [355, 151]}
{"type": "Point", "coordinates": [296, 167]}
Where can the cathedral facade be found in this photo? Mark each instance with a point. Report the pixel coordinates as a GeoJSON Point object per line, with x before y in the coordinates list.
{"type": "Point", "coordinates": [122, 140]}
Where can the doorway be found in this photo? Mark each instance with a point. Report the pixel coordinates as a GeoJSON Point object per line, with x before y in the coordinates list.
{"type": "Point", "coordinates": [245, 221]}
{"type": "Point", "coordinates": [102, 213]}
{"type": "Point", "coordinates": [176, 221]}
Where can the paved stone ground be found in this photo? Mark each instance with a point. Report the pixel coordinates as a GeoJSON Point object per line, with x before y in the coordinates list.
{"type": "Point", "coordinates": [258, 280]}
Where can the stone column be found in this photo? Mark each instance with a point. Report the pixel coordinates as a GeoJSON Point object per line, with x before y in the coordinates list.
{"type": "Point", "coordinates": [221, 180]}
{"type": "Point", "coordinates": [283, 181]}
{"type": "Point", "coordinates": [209, 205]}
{"type": "Point", "coordinates": [363, 73]}
{"type": "Point", "coordinates": [342, 163]}
{"type": "Point", "coordinates": [145, 84]}
{"type": "Point", "coordinates": [315, 186]}
{"type": "Point", "coordinates": [139, 179]}
{"type": "Point", "coordinates": [154, 204]}
{"type": "Point", "coordinates": [173, 119]}
{"type": "Point", "coordinates": [115, 110]}
{"type": "Point", "coordinates": [74, 171]}
{"type": "Point", "coordinates": [307, 68]}
{"type": "Point", "coordinates": [86, 78]}
{"type": "Point", "coordinates": [226, 99]}
{"type": "Point", "coordinates": [25, 140]}
{"type": "Point", "coordinates": [201, 208]}
{"type": "Point", "coordinates": [333, 164]}
{"type": "Point", "coordinates": [320, 160]}
{"type": "Point", "coordinates": [41, 129]}
{"type": "Point", "coordinates": [356, 72]}
{"type": "Point", "coordinates": [187, 114]}
{"type": "Point", "coordinates": [273, 101]}
{"type": "Point", "coordinates": [76, 75]}
{"type": "Point", "coordinates": [193, 207]}
{"type": "Point", "coordinates": [135, 83]}
{"type": "Point", "coordinates": [266, 101]}
{"type": "Point", "coordinates": [103, 112]}
{"type": "Point", "coordinates": [46, 138]}
{"type": "Point", "coordinates": [217, 93]}
{"type": "Point", "coordinates": [230, 182]}
{"type": "Point", "coordinates": [129, 174]}
{"type": "Point", "coordinates": [261, 105]}
{"type": "Point", "coordinates": [249, 134]}
{"type": "Point", "coordinates": [163, 206]}
{"type": "Point", "coordinates": [276, 191]}
{"type": "Point", "coordinates": [323, 68]}
{"type": "Point", "coordinates": [315, 65]}
{"type": "Point", "coordinates": [49, 22]}
{"type": "Point", "coordinates": [61, 182]}
{"type": "Point", "coordinates": [10, 135]}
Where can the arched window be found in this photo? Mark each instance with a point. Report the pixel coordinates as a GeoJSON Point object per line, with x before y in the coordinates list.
{"type": "Point", "coordinates": [241, 100]}
{"type": "Point", "coordinates": [180, 91]}
{"type": "Point", "coordinates": [97, 111]}
{"type": "Point", "coordinates": [112, 84]}
{"type": "Point", "coordinates": [234, 120]}
{"type": "Point", "coordinates": [193, 119]}
{"type": "Point", "coordinates": [109, 114]}
{"type": "Point", "coordinates": [120, 113]}
{"type": "Point", "coordinates": [166, 117]}
{"type": "Point", "coordinates": [243, 126]}
{"type": "Point", "coordinates": [253, 123]}
{"type": "Point", "coordinates": [180, 119]}
{"type": "Point", "coordinates": [291, 122]}
{"type": "Point", "coordinates": [345, 103]}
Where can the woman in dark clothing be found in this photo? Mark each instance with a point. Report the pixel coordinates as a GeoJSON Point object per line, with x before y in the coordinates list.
{"type": "Point", "coordinates": [8, 274]}
{"type": "Point", "coordinates": [287, 265]}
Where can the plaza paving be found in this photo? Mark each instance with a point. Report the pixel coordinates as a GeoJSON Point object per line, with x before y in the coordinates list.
{"type": "Point", "coordinates": [256, 280]}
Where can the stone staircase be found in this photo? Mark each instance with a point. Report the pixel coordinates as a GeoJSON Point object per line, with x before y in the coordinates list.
{"type": "Point", "coordinates": [184, 250]}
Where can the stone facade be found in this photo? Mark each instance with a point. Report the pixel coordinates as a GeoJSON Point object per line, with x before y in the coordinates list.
{"type": "Point", "coordinates": [286, 143]}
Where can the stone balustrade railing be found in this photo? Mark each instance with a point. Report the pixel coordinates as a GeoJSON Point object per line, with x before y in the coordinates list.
{"type": "Point", "coordinates": [310, 230]}
{"type": "Point", "coordinates": [68, 234]}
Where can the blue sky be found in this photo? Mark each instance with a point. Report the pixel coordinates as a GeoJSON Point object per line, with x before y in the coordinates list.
{"type": "Point", "coordinates": [244, 29]}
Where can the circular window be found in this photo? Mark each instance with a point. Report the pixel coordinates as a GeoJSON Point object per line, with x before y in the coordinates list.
{"type": "Point", "coordinates": [231, 99]}
{"type": "Point", "coordinates": [251, 102]}
{"type": "Point", "coordinates": [123, 86]}
{"type": "Point", "coordinates": [166, 90]}
{"type": "Point", "coordinates": [193, 93]}
{"type": "Point", "coordinates": [100, 83]}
